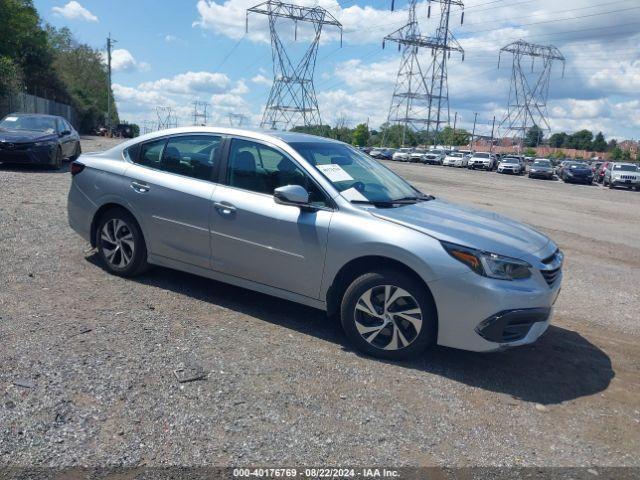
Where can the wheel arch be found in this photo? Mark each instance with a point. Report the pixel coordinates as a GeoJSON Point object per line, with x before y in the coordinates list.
{"type": "Point", "coordinates": [101, 211]}
{"type": "Point", "coordinates": [361, 265]}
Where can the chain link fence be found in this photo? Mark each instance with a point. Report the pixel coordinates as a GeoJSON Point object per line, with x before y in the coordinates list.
{"type": "Point", "coordinates": [27, 103]}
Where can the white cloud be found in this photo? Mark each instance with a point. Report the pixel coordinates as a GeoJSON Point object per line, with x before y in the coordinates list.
{"type": "Point", "coordinates": [178, 92]}
{"type": "Point", "coordinates": [174, 39]}
{"type": "Point", "coordinates": [74, 11]}
{"type": "Point", "coordinates": [261, 80]}
{"type": "Point", "coordinates": [191, 83]}
{"type": "Point", "coordinates": [123, 61]}
{"type": "Point", "coordinates": [228, 18]}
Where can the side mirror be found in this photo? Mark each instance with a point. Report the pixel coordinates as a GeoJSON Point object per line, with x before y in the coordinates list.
{"type": "Point", "coordinates": [64, 133]}
{"type": "Point", "coordinates": [294, 195]}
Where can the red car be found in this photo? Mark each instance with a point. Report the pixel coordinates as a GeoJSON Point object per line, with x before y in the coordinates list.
{"type": "Point", "coordinates": [599, 174]}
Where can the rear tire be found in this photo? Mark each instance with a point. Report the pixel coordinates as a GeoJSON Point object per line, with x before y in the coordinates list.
{"type": "Point", "coordinates": [403, 328]}
{"type": "Point", "coordinates": [120, 243]}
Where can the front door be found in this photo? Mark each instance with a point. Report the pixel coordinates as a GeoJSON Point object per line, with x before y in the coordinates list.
{"type": "Point", "coordinates": [170, 185]}
{"type": "Point", "coordinates": [255, 238]}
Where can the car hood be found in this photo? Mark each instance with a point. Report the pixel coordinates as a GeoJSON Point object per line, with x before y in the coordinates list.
{"type": "Point", "coordinates": [578, 170]}
{"type": "Point", "coordinates": [467, 226]}
{"type": "Point", "coordinates": [21, 136]}
{"type": "Point", "coordinates": [541, 169]}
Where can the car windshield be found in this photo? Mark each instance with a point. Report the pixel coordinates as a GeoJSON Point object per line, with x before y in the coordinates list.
{"type": "Point", "coordinates": [625, 168]}
{"type": "Point", "coordinates": [454, 154]}
{"type": "Point", "coordinates": [32, 123]}
{"type": "Point", "coordinates": [481, 155]}
{"type": "Point", "coordinates": [578, 165]}
{"type": "Point", "coordinates": [541, 163]}
{"type": "Point", "coordinates": [510, 160]}
{"type": "Point", "coordinates": [356, 176]}
{"type": "Point", "coordinates": [419, 150]}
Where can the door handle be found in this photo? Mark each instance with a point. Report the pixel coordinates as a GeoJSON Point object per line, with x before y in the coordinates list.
{"type": "Point", "coordinates": [139, 187]}
{"type": "Point", "coordinates": [224, 208]}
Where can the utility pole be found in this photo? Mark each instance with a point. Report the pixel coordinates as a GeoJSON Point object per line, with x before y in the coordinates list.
{"type": "Point", "coordinates": [473, 133]}
{"type": "Point", "coordinates": [493, 126]}
{"type": "Point", "coordinates": [200, 112]}
{"type": "Point", "coordinates": [110, 42]}
{"type": "Point", "coordinates": [455, 121]}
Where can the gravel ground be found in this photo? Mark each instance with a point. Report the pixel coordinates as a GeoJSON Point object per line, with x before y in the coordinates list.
{"type": "Point", "coordinates": [87, 359]}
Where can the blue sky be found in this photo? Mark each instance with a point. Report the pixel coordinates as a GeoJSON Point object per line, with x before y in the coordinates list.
{"type": "Point", "coordinates": [175, 52]}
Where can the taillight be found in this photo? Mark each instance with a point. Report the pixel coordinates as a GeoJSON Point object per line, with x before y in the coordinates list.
{"type": "Point", "coordinates": [76, 168]}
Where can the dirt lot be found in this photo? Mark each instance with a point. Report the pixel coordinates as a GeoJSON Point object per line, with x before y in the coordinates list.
{"type": "Point", "coordinates": [87, 359]}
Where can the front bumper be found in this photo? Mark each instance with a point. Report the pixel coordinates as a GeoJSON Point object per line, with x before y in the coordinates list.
{"type": "Point", "coordinates": [508, 170]}
{"type": "Point", "coordinates": [522, 308]}
{"type": "Point", "coordinates": [618, 182]}
{"type": "Point", "coordinates": [541, 174]}
{"type": "Point", "coordinates": [28, 156]}
{"type": "Point", "coordinates": [483, 165]}
{"type": "Point", "coordinates": [579, 178]}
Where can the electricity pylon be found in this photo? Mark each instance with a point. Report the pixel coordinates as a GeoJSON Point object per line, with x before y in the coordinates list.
{"type": "Point", "coordinates": [420, 98]}
{"type": "Point", "coordinates": [292, 100]}
{"type": "Point", "coordinates": [237, 119]}
{"type": "Point", "coordinates": [528, 94]}
{"type": "Point", "coordinates": [200, 113]}
{"type": "Point", "coordinates": [166, 118]}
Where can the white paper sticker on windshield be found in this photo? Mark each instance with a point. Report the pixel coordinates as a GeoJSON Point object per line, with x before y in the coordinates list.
{"type": "Point", "coordinates": [11, 119]}
{"type": "Point", "coordinates": [353, 194]}
{"type": "Point", "coordinates": [335, 173]}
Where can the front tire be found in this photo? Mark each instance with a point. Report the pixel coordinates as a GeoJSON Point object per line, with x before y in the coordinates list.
{"type": "Point", "coordinates": [389, 314]}
{"type": "Point", "coordinates": [57, 160]}
{"type": "Point", "coordinates": [120, 244]}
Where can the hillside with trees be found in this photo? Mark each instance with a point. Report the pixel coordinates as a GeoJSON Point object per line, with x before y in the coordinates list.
{"type": "Point", "coordinates": [44, 61]}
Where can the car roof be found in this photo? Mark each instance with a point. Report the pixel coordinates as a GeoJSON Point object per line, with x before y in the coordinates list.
{"type": "Point", "coordinates": [21, 114]}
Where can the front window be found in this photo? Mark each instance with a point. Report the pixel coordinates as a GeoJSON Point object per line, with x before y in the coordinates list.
{"type": "Point", "coordinates": [31, 123]}
{"type": "Point", "coordinates": [356, 176]}
{"type": "Point", "coordinates": [625, 168]}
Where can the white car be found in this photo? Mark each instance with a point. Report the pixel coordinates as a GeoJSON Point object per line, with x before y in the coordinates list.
{"type": "Point", "coordinates": [452, 159]}
{"type": "Point", "coordinates": [484, 160]}
{"type": "Point", "coordinates": [462, 161]}
{"type": "Point", "coordinates": [622, 175]}
{"type": "Point", "coordinates": [510, 165]}
{"type": "Point", "coordinates": [402, 155]}
{"type": "Point", "coordinates": [417, 155]}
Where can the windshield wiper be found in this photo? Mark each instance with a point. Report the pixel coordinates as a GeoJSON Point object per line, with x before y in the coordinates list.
{"type": "Point", "coordinates": [399, 201]}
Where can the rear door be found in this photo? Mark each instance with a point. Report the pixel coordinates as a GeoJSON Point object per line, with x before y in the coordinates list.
{"type": "Point", "coordinates": [170, 187]}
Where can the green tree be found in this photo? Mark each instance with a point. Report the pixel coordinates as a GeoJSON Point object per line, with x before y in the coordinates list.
{"type": "Point", "coordinates": [557, 139]}
{"type": "Point", "coordinates": [360, 135]}
{"type": "Point", "coordinates": [599, 143]}
{"type": "Point", "coordinates": [626, 156]}
{"type": "Point", "coordinates": [534, 136]}
{"type": "Point", "coordinates": [616, 153]}
{"type": "Point", "coordinates": [530, 152]}
{"type": "Point", "coordinates": [450, 137]}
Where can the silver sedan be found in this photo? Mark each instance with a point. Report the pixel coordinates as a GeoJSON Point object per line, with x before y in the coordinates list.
{"type": "Point", "coordinates": [318, 222]}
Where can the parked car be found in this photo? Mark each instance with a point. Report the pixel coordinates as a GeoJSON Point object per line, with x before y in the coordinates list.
{"type": "Point", "coordinates": [402, 155]}
{"type": "Point", "coordinates": [599, 173]}
{"type": "Point", "coordinates": [453, 158]}
{"type": "Point", "coordinates": [36, 139]}
{"type": "Point", "coordinates": [315, 221]}
{"type": "Point", "coordinates": [418, 155]}
{"type": "Point", "coordinates": [483, 160]}
{"type": "Point", "coordinates": [510, 165]}
{"type": "Point", "coordinates": [560, 166]}
{"type": "Point", "coordinates": [541, 168]}
{"type": "Point", "coordinates": [434, 156]}
{"type": "Point", "coordinates": [622, 175]}
{"type": "Point", "coordinates": [577, 172]}
{"type": "Point", "coordinates": [381, 153]}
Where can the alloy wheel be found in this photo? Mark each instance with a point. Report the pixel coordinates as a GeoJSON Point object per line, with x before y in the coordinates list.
{"type": "Point", "coordinates": [388, 317]}
{"type": "Point", "coordinates": [117, 243]}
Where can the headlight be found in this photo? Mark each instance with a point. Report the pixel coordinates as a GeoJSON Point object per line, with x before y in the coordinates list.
{"type": "Point", "coordinates": [489, 264]}
{"type": "Point", "coordinates": [533, 170]}
{"type": "Point", "coordinates": [45, 143]}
